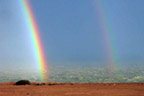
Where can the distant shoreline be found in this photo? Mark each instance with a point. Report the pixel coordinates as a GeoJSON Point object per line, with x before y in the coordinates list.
{"type": "Point", "coordinates": [61, 83]}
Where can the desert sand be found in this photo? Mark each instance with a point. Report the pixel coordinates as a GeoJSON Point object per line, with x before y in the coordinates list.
{"type": "Point", "coordinates": [73, 89]}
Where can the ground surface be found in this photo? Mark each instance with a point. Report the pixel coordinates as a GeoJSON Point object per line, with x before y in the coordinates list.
{"type": "Point", "coordinates": [135, 89]}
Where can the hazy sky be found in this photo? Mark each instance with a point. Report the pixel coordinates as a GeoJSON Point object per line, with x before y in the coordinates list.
{"type": "Point", "coordinates": [70, 31]}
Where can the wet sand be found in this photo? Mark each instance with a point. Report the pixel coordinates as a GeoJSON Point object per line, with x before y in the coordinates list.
{"type": "Point", "coordinates": [73, 89]}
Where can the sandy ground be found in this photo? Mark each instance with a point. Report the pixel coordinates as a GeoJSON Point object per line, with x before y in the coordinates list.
{"type": "Point", "coordinates": [127, 89]}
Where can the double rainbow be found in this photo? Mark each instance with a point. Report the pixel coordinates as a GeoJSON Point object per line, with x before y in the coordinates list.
{"type": "Point", "coordinates": [33, 29]}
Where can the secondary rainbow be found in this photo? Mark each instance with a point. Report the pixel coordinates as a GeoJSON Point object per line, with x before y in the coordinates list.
{"type": "Point", "coordinates": [33, 29]}
{"type": "Point", "coordinates": [107, 36]}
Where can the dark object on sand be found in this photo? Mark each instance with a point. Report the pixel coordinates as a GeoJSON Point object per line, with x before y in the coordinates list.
{"type": "Point", "coordinates": [23, 82]}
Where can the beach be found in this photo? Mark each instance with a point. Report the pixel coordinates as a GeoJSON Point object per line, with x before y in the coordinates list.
{"type": "Point", "coordinates": [73, 89]}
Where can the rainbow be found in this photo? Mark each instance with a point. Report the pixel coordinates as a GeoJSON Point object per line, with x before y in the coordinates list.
{"type": "Point", "coordinates": [33, 29]}
{"type": "Point", "coordinates": [107, 36]}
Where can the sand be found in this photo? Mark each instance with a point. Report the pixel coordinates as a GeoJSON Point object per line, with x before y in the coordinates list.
{"type": "Point", "coordinates": [73, 89]}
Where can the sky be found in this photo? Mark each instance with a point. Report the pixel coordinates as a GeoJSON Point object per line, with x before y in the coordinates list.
{"type": "Point", "coordinates": [71, 33]}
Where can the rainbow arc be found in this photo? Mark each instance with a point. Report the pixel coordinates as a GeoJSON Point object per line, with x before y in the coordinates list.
{"type": "Point", "coordinates": [33, 29]}
{"type": "Point", "coordinates": [107, 36]}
